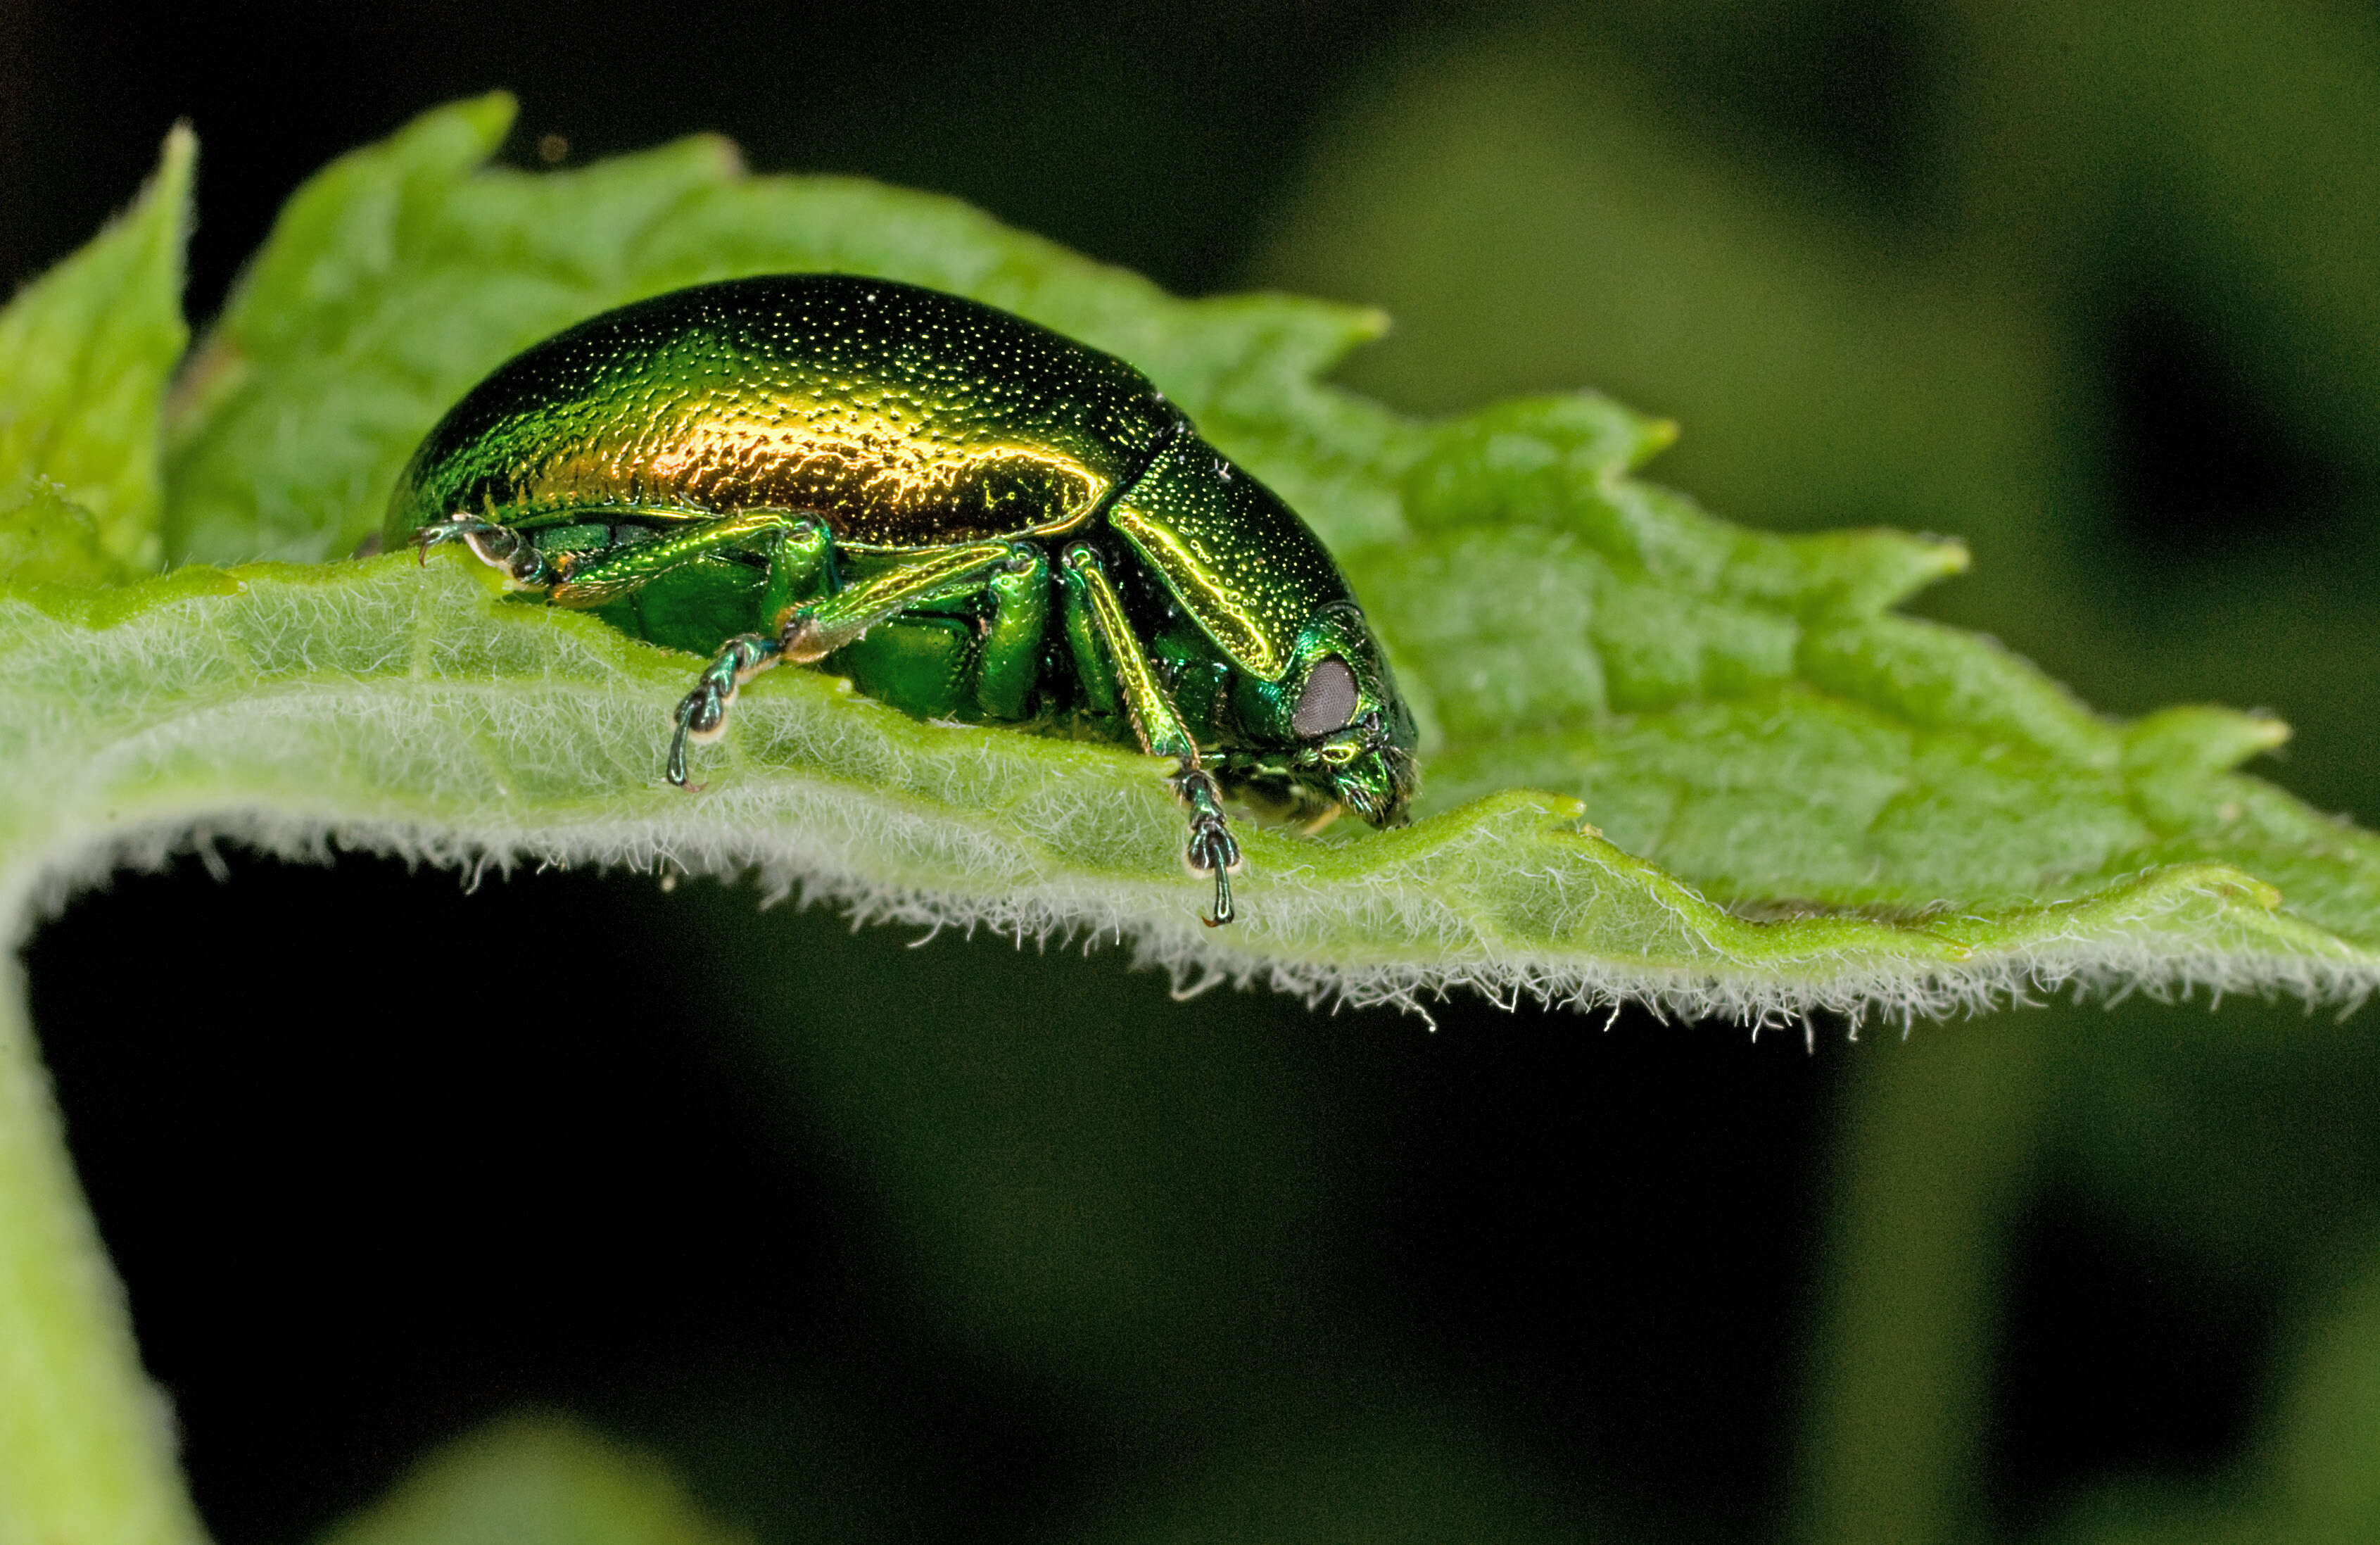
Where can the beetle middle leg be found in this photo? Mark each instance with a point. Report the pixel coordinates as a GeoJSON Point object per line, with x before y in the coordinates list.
{"type": "Point", "coordinates": [800, 560]}
{"type": "Point", "coordinates": [1009, 666]}
{"type": "Point", "coordinates": [810, 630]}
{"type": "Point", "coordinates": [1211, 849]}
{"type": "Point", "coordinates": [814, 629]}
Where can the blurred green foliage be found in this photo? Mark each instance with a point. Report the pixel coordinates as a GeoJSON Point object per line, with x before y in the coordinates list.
{"type": "Point", "coordinates": [535, 1480]}
{"type": "Point", "coordinates": [2092, 288]}
{"type": "Point", "coordinates": [85, 354]}
{"type": "Point", "coordinates": [2097, 288]}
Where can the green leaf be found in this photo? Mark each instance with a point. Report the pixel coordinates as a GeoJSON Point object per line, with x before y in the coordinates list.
{"type": "Point", "coordinates": [534, 1480]}
{"type": "Point", "coordinates": [1799, 800]}
{"type": "Point", "coordinates": [86, 1446]}
{"type": "Point", "coordinates": [85, 353]}
{"type": "Point", "coordinates": [47, 538]}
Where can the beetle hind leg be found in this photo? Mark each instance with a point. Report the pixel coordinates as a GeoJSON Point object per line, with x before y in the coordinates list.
{"type": "Point", "coordinates": [498, 546]}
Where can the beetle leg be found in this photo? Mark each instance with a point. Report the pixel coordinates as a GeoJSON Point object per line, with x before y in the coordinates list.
{"type": "Point", "coordinates": [817, 628]}
{"type": "Point", "coordinates": [702, 713]}
{"type": "Point", "coordinates": [1211, 848]}
{"type": "Point", "coordinates": [800, 565]}
{"type": "Point", "coordinates": [798, 562]}
{"type": "Point", "coordinates": [1009, 664]}
{"type": "Point", "coordinates": [792, 541]}
{"type": "Point", "coordinates": [1092, 671]}
{"type": "Point", "coordinates": [498, 547]}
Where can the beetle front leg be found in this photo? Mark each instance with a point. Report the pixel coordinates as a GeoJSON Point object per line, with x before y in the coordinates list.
{"type": "Point", "coordinates": [1211, 850]}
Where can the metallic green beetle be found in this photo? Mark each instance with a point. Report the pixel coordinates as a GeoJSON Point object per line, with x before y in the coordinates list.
{"type": "Point", "coordinates": [906, 486]}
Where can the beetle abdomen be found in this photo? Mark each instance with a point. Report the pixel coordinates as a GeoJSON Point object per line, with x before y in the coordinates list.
{"type": "Point", "coordinates": [905, 418]}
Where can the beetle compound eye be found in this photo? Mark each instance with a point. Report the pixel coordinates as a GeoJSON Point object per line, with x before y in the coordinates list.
{"type": "Point", "coordinates": [1328, 701]}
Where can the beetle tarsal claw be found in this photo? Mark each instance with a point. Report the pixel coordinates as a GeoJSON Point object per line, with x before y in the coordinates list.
{"type": "Point", "coordinates": [1211, 849]}
{"type": "Point", "coordinates": [675, 771]}
{"type": "Point", "coordinates": [1212, 853]}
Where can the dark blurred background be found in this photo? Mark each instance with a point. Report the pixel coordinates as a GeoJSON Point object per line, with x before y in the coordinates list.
{"type": "Point", "coordinates": [877, 1242]}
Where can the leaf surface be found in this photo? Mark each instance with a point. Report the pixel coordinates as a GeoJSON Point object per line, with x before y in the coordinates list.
{"type": "Point", "coordinates": [1666, 757]}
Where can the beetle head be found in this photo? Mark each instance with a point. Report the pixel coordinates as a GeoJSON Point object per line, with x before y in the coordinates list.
{"type": "Point", "coordinates": [1336, 725]}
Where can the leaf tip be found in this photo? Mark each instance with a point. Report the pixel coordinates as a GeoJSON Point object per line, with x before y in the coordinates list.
{"type": "Point", "coordinates": [451, 138]}
{"type": "Point", "coordinates": [162, 208]}
{"type": "Point", "coordinates": [727, 162]}
{"type": "Point", "coordinates": [1653, 437]}
{"type": "Point", "coordinates": [2200, 739]}
{"type": "Point", "coordinates": [176, 159]}
{"type": "Point", "coordinates": [1876, 569]}
{"type": "Point", "coordinates": [491, 113]}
